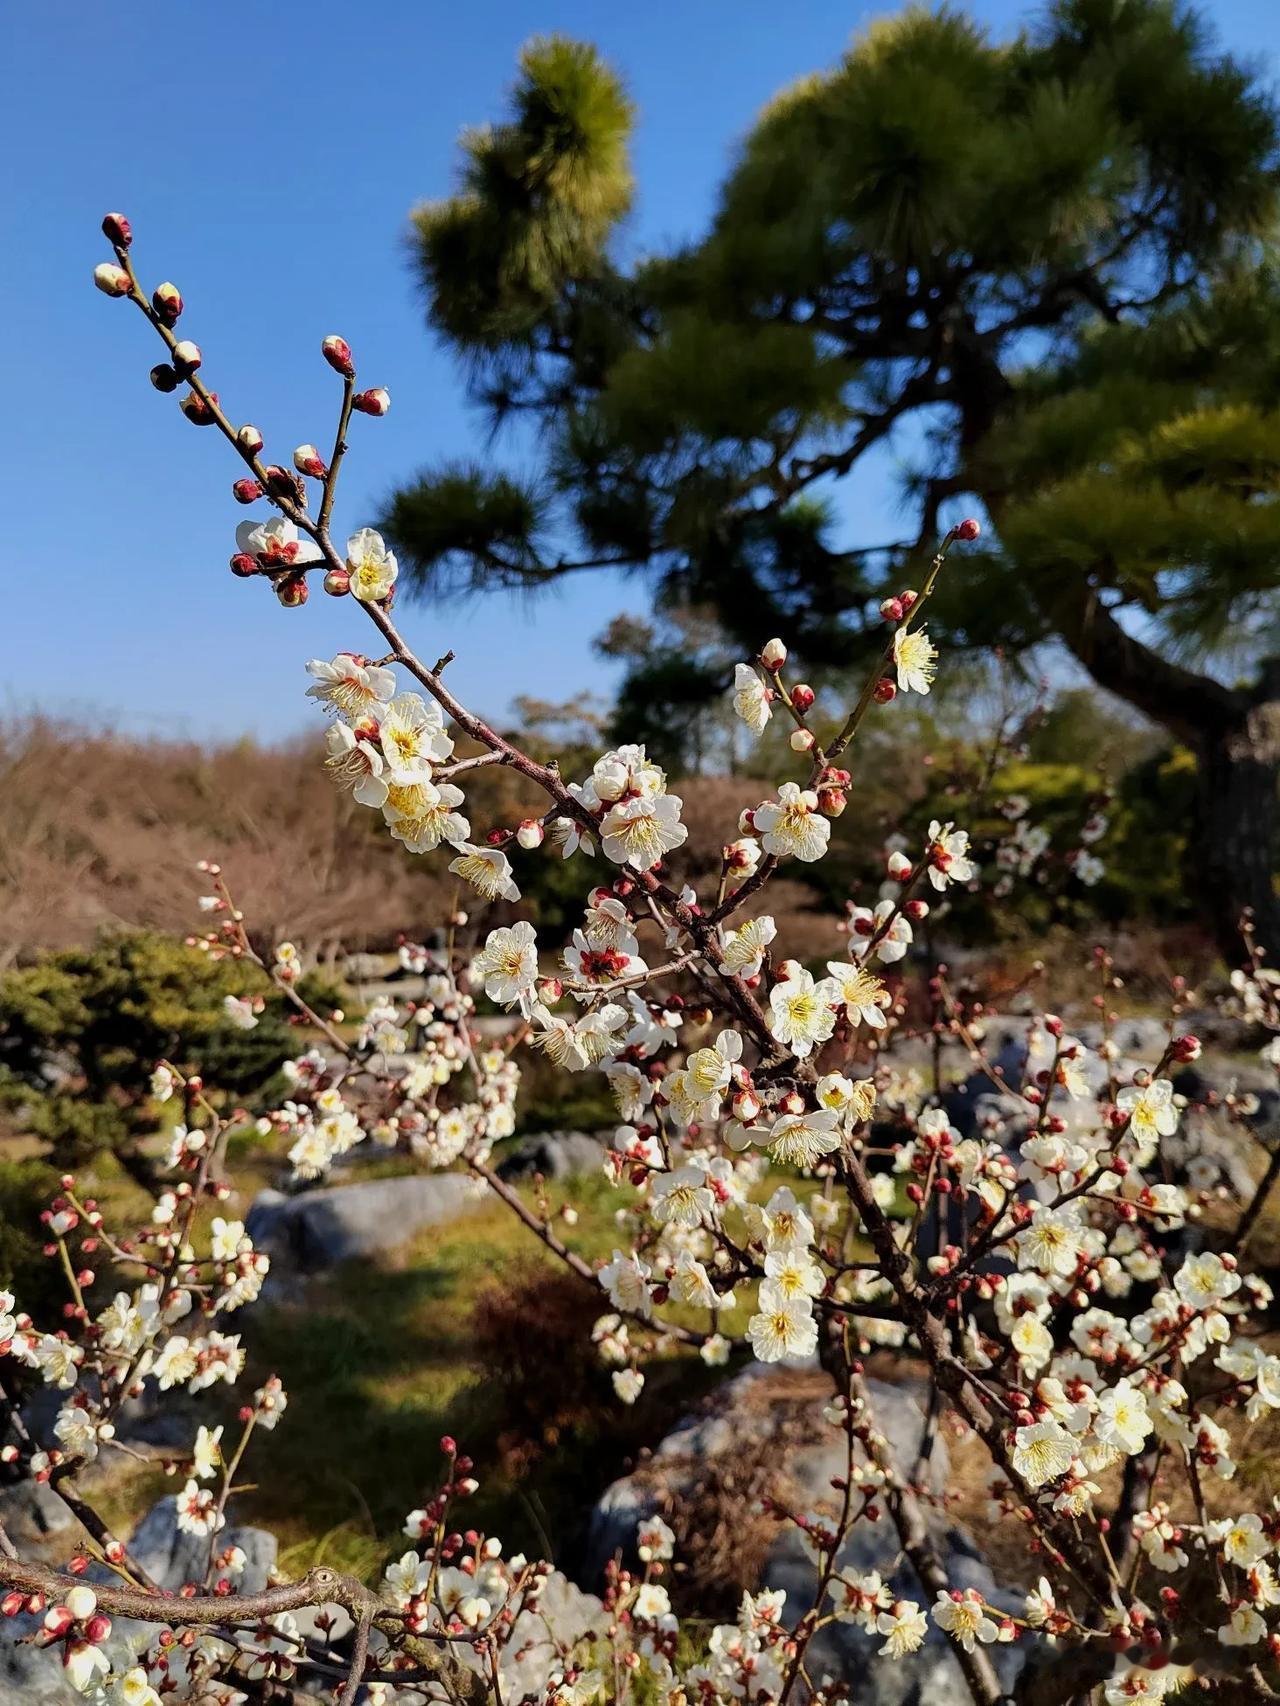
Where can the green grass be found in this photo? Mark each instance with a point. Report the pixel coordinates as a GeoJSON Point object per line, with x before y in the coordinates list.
{"type": "Point", "coordinates": [379, 1360]}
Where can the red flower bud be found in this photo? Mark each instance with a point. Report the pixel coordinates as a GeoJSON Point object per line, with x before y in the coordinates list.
{"type": "Point", "coordinates": [243, 564]}
{"type": "Point", "coordinates": [337, 352]}
{"type": "Point", "coordinates": [968, 529]}
{"type": "Point", "coordinates": [292, 590]}
{"type": "Point", "coordinates": [374, 402]}
{"type": "Point", "coordinates": [891, 609]}
{"type": "Point", "coordinates": [337, 582]}
{"type": "Point", "coordinates": [832, 801]}
{"type": "Point", "coordinates": [908, 599]}
{"type": "Point", "coordinates": [197, 410]}
{"type": "Point", "coordinates": [246, 491]}
{"type": "Point", "coordinates": [802, 697]}
{"type": "Point", "coordinates": [884, 691]}
{"type": "Point", "coordinates": [308, 460]}
{"type": "Point", "coordinates": [166, 299]}
{"type": "Point", "coordinates": [117, 229]}
{"type": "Point", "coordinates": [164, 378]}
{"type": "Point", "coordinates": [249, 439]}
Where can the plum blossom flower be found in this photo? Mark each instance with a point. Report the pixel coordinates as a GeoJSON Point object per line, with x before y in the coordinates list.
{"type": "Point", "coordinates": [800, 1140]}
{"type": "Point", "coordinates": [1123, 1420]}
{"type": "Point", "coordinates": [859, 993]}
{"type": "Point", "coordinates": [642, 830]}
{"type": "Point", "coordinates": [782, 1326]}
{"type": "Point", "coordinates": [626, 1279]}
{"type": "Point", "coordinates": [507, 965]}
{"type": "Point", "coordinates": [1151, 1112]}
{"type": "Point", "coordinates": [916, 659]}
{"type": "Point", "coordinates": [275, 543]}
{"type": "Point", "coordinates": [948, 855]}
{"type": "Point", "coordinates": [372, 567]}
{"type": "Point", "coordinates": [792, 826]}
{"type": "Point", "coordinates": [751, 698]}
{"type": "Point", "coordinates": [801, 1010]}
{"type": "Point", "coordinates": [351, 685]}
{"type": "Point", "coordinates": [904, 1627]}
{"type": "Point", "coordinates": [743, 950]}
{"type": "Point", "coordinates": [423, 814]}
{"type": "Point", "coordinates": [627, 1384]}
{"type": "Point", "coordinates": [964, 1618]}
{"type": "Point", "coordinates": [412, 735]}
{"type": "Point", "coordinates": [487, 870]}
{"type": "Point", "coordinates": [1042, 1452]}
{"type": "Point", "coordinates": [357, 764]}
{"type": "Point", "coordinates": [198, 1511]}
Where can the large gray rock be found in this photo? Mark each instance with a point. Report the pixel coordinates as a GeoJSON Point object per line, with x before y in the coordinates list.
{"type": "Point", "coordinates": [318, 1229]}
{"type": "Point", "coordinates": [554, 1154]}
{"type": "Point", "coordinates": [742, 1418]}
{"type": "Point", "coordinates": [172, 1558]}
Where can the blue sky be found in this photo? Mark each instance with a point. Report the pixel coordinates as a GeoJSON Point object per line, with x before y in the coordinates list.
{"type": "Point", "coordinates": [268, 157]}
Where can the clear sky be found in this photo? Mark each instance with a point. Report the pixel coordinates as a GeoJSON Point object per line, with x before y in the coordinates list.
{"type": "Point", "coordinates": [268, 156]}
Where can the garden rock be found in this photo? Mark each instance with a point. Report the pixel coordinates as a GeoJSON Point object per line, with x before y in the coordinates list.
{"type": "Point", "coordinates": [319, 1229]}
{"type": "Point", "coordinates": [554, 1154]}
{"type": "Point", "coordinates": [778, 1418]}
{"type": "Point", "coordinates": [172, 1558]}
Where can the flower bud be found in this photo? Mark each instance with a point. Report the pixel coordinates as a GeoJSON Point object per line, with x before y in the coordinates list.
{"type": "Point", "coordinates": [884, 691]}
{"type": "Point", "coordinates": [308, 460]}
{"type": "Point", "coordinates": [250, 440]}
{"type": "Point", "coordinates": [802, 696]}
{"type": "Point", "coordinates": [746, 1106]}
{"type": "Point", "coordinates": [916, 910]}
{"type": "Point", "coordinates": [166, 299]}
{"type": "Point", "coordinates": [773, 654]}
{"type": "Point", "coordinates": [81, 1602]}
{"type": "Point", "coordinates": [186, 356]}
{"type": "Point", "coordinates": [1186, 1049]}
{"type": "Point", "coordinates": [292, 590]}
{"type": "Point", "coordinates": [164, 378]}
{"type": "Point", "coordinates": [550, 989]}
{"type": "Point", "coordinates": [801, 740]}
{"type": "Point", "coordinates": [374, 402]}
{"type": "Point", "coordinates": [908, 599]}
{"type": "Point", "coordinates": [197, 411]}
{"type": "Point", "coordinates": [891, 609]}
{"type": "Point", "coordinates": [530, 834]}
{"type": "Point", "coordinates": [898, 866]}
{"type": "Point", "coordinates": [246, 491]}
{"type": "Point", "coordinates": [117, 229]}
{"type": "Point", "coordinates": [968, 529]}
{"type": "Point", "coordinates": [98, 1627]}
{"type": "Point", "coordinates": [57, 1620]}
{"type": "Point", "coordinates": [832, 801]}
{"type": "Point", "coordinates": [12, 1603]}
{"type": "Point", "coordinates": [337, 352]}
{"type": "Point", "coordinates": [243, 564]}
{"type": "Point", "coordinates": [337, 582]}
{"type": "Point", "coordinates": [110, 279]}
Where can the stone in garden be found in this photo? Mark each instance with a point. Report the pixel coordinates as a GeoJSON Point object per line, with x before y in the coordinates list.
{"type": "Point", "coordinates": [315, 1230]}
{"type": "Point", "coordinates": [554, 1154]}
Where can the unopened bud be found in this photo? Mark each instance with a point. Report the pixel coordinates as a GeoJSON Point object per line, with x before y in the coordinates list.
{"type": "Point", "coordinates": [98, 1627]}
{"type": "Point", "coordinates": [1186, 1048]}
{"type": "Point", "coordinates": [186, 356]}
{"type": "Point", "coordinates": [908, 598]}
{"type": "Point", "coordinates": [337, 352]}
{"type": "Point", "coordinates": [110, 279]}
{"type": "Point", "coordinates": [773, 654]}
{"type": "Point", "coordinates": [832, 801]}
{"type": "Point", "coordinates": [117, 229]}
{"type": "Point", "coordinates": [81, 1602]}
{"type": "Point", "coordinates": [250, 440]}
{"type": "Point", "coordinates": [891, 609]}
{"type": "Point", "coordinates": [57, 1620]}
{"type": "Point", "coordinates": [530, 833]}
{"type": "Point", "coordinates": [898, 866]}
{"type": "Point", "coordinates": [968, 529]}
{"type": "Point", "coordinates": [164, 378]}
{"type": "Point", "coordinates": [746, 1106]}
{"type": "Point", "coordinates": [284, 483]}
{"type": "Point", "coordinates": [197, 410]}
{"type": "Point", "coordinates": [374, 402]}
{"type": "Point", "coordinates": [802, 696]}
{"type": "Point", "coordinates": [246, 491]}
{"type": "Point", "coordinates": [166, 299]}
{"type": "Point", "coordinates": [884, 691]}
{"type": "Point", "coordinates": [243, 564]}
{"type": "Point", "coordinates": [916, 910]}
{"type": "Point", "coordinates": [337, 582]}
{"type": "Point", "coordinates": [292, 590]}
{"type": "Point", "coordinates": [802, 740]}
{"type": "Point", "coordinates": [550, 989]}
{"type": "Point", "coordinates": [308, 460]}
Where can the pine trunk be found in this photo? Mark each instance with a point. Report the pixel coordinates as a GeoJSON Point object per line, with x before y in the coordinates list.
{"type": "Point", "coordinates": [1238, 833]}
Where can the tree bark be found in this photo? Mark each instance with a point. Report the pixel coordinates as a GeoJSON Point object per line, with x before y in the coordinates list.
{"type": "Point", "coordinates": [1238, 832]}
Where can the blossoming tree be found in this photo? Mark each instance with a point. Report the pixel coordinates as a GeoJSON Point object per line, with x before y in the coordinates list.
{"type": "Point", "coordinates": [1071, 1316]}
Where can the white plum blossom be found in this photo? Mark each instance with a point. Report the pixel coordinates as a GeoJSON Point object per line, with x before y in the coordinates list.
{"type": "Point", "coordinates": [751, 698]}
{"type": "Point", "coordinates": [792, 826]}
{"type": "Point", "coordinates": [372, 567]}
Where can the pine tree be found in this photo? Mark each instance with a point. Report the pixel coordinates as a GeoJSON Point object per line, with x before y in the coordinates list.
{"type": "Point", "coordinates": [1040, 265]}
